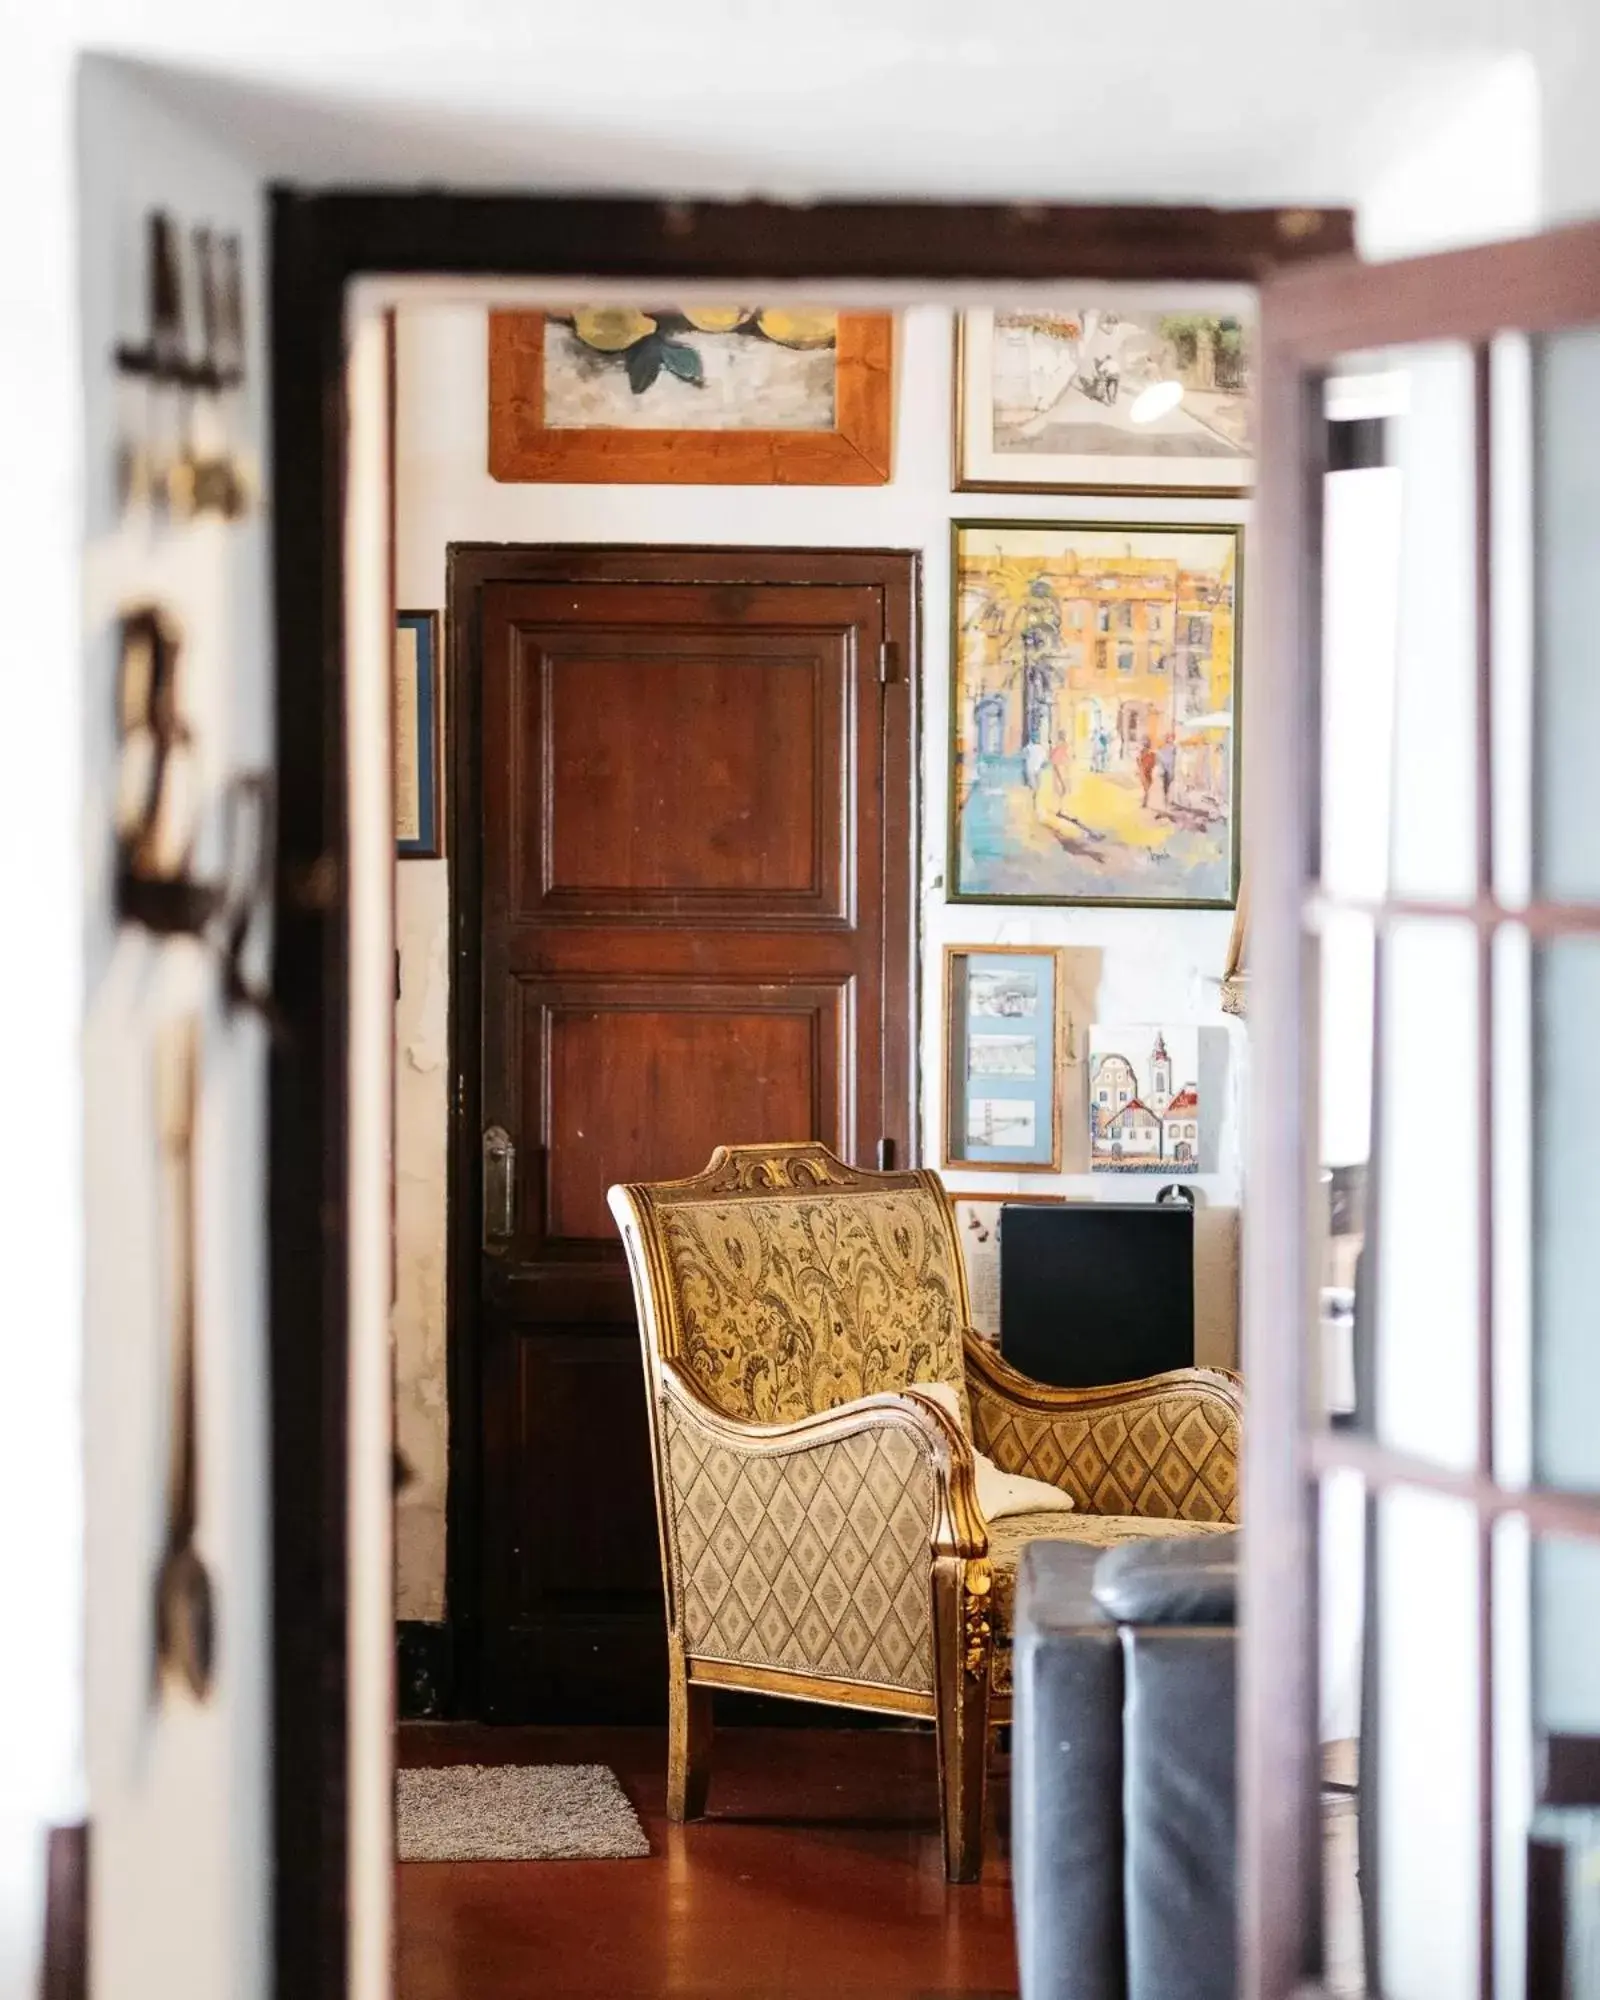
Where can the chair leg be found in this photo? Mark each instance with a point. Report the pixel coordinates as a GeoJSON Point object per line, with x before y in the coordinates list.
{"type": "Point", "coordinates": [961, 1717]}
{"type": "Point", "coordinates": [688, 1745]}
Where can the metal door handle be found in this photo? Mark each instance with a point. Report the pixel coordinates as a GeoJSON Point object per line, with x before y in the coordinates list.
{"type": "Point", "coordinates": [499, 1187]}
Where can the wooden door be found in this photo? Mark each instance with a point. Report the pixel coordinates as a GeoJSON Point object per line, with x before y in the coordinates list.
{"type": "Point", "coordinates": [695, 927]}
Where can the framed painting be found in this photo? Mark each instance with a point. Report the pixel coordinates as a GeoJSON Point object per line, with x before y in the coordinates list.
{"type": "Point", "coordinates": [1004, 1010]}
{"type": "Point", "coordinates": [693, 396]}
{"type": "Point", "coordinates": [1107, 398]}
{"type": "Point", "coordinates": [1145, 1107]}
{"type": "Point", "coordinates": [417, 762]}
{"type": "Point", "coordinates": [1094, 677]}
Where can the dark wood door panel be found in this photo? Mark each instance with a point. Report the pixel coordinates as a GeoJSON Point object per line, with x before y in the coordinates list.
{"type": "Point", "coordinates": [637, 1095]}
{"type": "Point", "coordinates": [693, 900]}
{"type": "Point", "coordinates": [575, 1601]}
{"type": "Point", "coordinates": [744, 814]}
{"type": "Point", "coordinates": [684, 754]}
{"type": "Point", "coordinates": [592, 1544]}
{"type": "Point", "coordinates": [639, 1078]}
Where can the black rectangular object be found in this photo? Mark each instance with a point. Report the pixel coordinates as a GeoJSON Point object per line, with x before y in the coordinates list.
{"type": "Point", "coordinates": [1097, 1292]}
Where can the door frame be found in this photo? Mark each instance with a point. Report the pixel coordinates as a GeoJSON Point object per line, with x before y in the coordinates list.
{"type": "Point", "coordinates": [321, 243]}
{"type": "Point", "coordinates": [1541, 284]}
{"type": "Point", "coordinates": [470, 568]}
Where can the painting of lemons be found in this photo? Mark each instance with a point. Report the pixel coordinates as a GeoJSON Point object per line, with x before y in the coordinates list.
{"type": "Point", "coordinates": [705, 368]}
{"type": "Point", "coordinates": [1094, 686]}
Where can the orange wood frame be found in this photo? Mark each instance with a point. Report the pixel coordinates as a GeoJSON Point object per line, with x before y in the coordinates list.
{"type": "Point", "coordinates": [856, 452]}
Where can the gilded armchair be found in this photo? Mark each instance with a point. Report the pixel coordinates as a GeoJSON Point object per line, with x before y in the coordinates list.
{"type": "Point", "coordinates": [821, 1536]}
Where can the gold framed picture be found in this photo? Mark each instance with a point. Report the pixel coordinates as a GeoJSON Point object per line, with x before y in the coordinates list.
{"type": "Point", "coordinates": [1117, 395]}
{"type": "Point", "coordinates": [1005, 1015]}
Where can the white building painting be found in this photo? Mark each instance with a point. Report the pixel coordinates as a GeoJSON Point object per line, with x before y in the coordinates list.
{"type": "Point", "coordinates": [1144, 1100]}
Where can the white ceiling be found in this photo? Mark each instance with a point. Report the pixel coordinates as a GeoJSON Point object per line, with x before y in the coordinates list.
{"type": "Point", "coordinates": [1235, 101]}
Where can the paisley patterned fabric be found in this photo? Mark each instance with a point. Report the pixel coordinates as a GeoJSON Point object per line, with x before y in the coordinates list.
{"type": "Point", "coordinates": [791, 1305]}
{"type": "Point", "coordinates": [1009, 1537]}
{"type": "Point", "coordinates": [1168, 1454]}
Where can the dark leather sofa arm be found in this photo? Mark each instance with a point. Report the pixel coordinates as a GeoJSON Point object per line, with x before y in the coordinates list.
{"type": "Point", "coordinates": [1123, 1849]}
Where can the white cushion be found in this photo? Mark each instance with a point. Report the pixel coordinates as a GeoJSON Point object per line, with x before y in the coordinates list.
{"type": "Point", "coordinates": [999, 1493]}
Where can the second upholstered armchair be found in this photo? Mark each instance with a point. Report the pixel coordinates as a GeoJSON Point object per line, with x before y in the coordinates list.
{"type": "Point", "coordinates": [816, 1398]}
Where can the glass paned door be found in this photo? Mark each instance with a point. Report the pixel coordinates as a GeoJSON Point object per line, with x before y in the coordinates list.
{"type": "Point", "coordinates": [1421, 1648]}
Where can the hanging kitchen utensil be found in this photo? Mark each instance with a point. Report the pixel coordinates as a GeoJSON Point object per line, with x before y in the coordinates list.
{"type": "Point", "coordinates": [222, 483]}
{"type": "Point", "coordinates": [156, 782]}
{"type": "Point", "coordinates": [141, 462]}
{"type": "Point", "coordinates": [246, 891]}
{"type": "Point", "coordinates": [196, 469]}
{"type": "Point", "coordinates": [213, 488]}
{"type": "Point", "coordinates": [185, 1609]}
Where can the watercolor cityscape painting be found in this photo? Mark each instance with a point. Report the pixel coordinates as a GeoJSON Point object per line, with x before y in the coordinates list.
{"type": "Point", "coordinates": [1093, 687]}
{"type": "Point", "coordinates": [1144, 1100]}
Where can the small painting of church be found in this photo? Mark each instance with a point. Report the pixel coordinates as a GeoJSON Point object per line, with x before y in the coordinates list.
{"type": "Point", "coordinates": [1144, 1100]}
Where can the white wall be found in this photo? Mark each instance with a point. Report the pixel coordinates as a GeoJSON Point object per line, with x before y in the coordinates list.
{"type": "Point", "coordinates": [1137, 965]}
{"type": "Point", "coordinates": [176, 1791]}
{"type": "Point", "coordinates": [422, 1082]}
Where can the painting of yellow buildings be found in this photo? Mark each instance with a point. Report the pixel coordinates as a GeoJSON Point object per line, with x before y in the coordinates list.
{"type": "Point", "coordinates": [1093, 681]}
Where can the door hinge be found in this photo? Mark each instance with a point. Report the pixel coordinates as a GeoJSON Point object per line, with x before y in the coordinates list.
{"type": "Point", "coordinates": [888, 663]}
{"type": "Point", "coordinates": [885, 1156]}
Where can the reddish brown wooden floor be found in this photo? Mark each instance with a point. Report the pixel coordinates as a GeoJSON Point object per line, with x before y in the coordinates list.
{"type": "Point", "coordinates": [816, 1873]}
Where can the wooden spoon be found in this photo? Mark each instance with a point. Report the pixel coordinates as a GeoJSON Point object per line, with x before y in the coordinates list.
{"type": "Point", "coordinates": [185, 1611]}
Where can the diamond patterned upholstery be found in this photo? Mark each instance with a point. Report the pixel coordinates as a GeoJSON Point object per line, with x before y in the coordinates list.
{"type": "Point", "coordinates": [1161, 1451]}
{"type": "Point", "coordinates": [814, 1560]}
{"type": "Point", "coordinates": [1009, 1537]}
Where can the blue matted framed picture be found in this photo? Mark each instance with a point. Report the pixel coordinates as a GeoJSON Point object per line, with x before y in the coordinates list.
{"type": "Point", "coordinates": [418, 824]}
{"type": "Point", "coordinates": [1004, 1008]}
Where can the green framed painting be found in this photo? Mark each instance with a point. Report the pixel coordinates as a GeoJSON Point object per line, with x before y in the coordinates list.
{"type": "Point", "coordinates": [1094, 681]}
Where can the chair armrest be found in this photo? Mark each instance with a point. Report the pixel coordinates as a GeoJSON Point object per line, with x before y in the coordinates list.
{"type": "Point", "coordinates": [812, 1547]}
{"type": "Point", "coordinates": [939, 1445]}
{"type": "Point", "coordinates": [1166, 1448]}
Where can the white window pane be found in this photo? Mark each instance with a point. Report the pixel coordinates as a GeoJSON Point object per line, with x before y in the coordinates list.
{"type": "Point", "coordinates": [1360, 630]}
{"type": "Point", "coordinates": [1426, 1344]}
{"type": "Point", "coordinates": [1433, 808]}
{"type": "Point", "coordinates": [1511, 575]}
{"type": "Point", "coordinates": [1427, 1754]}
{"type": "Point", "coordinates": [1567, 419]}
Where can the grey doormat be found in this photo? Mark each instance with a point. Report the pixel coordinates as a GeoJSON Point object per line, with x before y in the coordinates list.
{"type": "Point", "coordinates": [515, 1812]}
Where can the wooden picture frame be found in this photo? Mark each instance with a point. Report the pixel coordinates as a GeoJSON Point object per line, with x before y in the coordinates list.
{"type": "Point", "coordinates": [418, 734]}
{"type": "Point", "coordinates": [1212, 391]}
{"type": "Point", "coordinates": [1023, 1124]}
{"type": "Point", "coordinates": [856, 452]}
